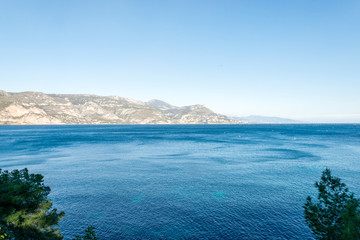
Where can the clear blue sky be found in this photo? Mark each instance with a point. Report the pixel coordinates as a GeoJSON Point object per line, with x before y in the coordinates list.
{"type": "Point", "coordinates": [287, 58]}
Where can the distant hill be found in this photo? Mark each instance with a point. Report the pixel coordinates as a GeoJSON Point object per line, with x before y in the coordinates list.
{"type": "Point", "coordinates": [160, 104]}
{"type": "Point", "coordinates": [264, 119]}
{"type": "Point", "coordinates": [41, 108]}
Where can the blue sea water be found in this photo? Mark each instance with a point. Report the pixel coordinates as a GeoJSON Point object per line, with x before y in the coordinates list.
{"type": "Point", "coordinates": [184, 181]}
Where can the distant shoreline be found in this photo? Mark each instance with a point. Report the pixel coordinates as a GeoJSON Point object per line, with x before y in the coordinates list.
{"type": "Point", "coordinates": [179, 124]}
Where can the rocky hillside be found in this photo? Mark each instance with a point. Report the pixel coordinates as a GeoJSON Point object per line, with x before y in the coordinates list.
{"type": "Point", "coordinates": [40, 108]}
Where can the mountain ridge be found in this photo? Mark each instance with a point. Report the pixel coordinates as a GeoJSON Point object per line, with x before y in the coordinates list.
{"type": "Point", "coordinates": [256, 119]}
{"type": "Point", "coordinates": [36, 108]}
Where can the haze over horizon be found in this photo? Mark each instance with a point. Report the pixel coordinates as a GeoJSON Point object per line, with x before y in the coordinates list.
{"type": "Point", "coordinates": [288, 59]}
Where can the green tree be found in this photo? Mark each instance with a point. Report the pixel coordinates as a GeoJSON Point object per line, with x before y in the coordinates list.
{"type": "Point", "coordinates": [89, 235]}
{"type": "Point", "coordinates": [350, 223]}
{"type": "Point", "coordinates": [336, 214]}
{"type": "Point", "coordinates": [25, 209]}
{"type": "Point", "coordinates": [3, 234]}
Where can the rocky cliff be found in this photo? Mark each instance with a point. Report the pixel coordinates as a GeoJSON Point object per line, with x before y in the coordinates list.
{"type": "Point", "coordinates": [40, 108]}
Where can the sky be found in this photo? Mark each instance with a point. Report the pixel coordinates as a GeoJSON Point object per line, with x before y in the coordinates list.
{"type": "Point", "coordinates": [285, 58]}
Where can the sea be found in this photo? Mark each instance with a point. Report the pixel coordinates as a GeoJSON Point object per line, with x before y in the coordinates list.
{"type": "Point", "coordinates": [184, 181]}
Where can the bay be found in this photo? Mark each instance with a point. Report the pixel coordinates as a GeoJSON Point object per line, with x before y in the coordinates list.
{"type": "Point", "coordinates": [184, 181]}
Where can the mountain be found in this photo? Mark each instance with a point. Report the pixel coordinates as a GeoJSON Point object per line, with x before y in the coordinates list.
{"type": "Point", "coordinates": [41, 108]}
{"type": "Point", "coordinates": [160, 104]}
{"type": "Point", "coordinates": [263, 119]}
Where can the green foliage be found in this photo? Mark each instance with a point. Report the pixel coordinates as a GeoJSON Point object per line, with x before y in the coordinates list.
{"type": "Point", "coordinates": [350, 223]}
{"type": "Point", "coordinates": [25, 210]}
{"type": "Point", "coordinates": [89, 235]}
{"type": "Point", "coordinates": [3, 233]}
{"type": "Point", "coordinates": [336, 214]}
